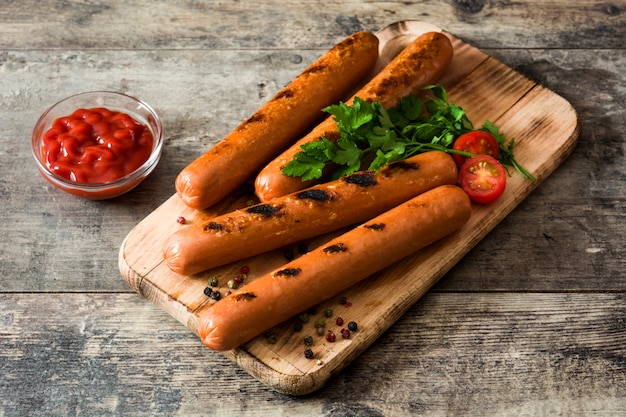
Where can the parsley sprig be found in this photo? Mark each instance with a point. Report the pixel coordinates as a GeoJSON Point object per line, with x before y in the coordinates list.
{"type": "Point", "coordinates": [372, 136]}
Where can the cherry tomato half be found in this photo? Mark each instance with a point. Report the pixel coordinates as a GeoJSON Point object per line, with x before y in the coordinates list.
{"type": "Point", "coordinates": [476, 142]}
{"type": "Point", "coordinates": [483, 178]}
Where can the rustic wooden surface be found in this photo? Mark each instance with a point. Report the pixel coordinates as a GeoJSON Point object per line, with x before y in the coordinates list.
{"type": "Point", "coordinates": [531, 322]}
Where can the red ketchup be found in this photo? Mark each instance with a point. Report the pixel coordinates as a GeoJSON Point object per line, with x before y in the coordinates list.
{"type": "Point", "coordinates": [96, 145]}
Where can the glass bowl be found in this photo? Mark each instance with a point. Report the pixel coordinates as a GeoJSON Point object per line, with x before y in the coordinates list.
{"type": "Point", "coordinates": [136, 109]}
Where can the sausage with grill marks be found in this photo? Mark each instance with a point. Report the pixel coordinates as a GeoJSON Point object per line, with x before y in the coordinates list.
{"type": "Point", "coordinates": [278, 123]}
{"type": "Point", "coordinates": [421, 63]}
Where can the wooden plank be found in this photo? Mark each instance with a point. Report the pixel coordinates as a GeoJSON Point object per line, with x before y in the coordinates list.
{"type": "Point", "coordinates": [466, 354]}
{"type": "Point", "coordinates": [525, 110]}
{"type": "Point", "coordinates": [181, 25]}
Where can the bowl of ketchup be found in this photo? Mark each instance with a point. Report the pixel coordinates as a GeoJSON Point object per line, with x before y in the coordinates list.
{"type": "Point", "coordinates": [97, 145]}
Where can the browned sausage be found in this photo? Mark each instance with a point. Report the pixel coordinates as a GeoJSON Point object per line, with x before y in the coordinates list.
{"type": "Point", "coordinates": [304, 214]}
{"type": "Point", "coordinates": [243, 152]}
{"type": "Point", "coordinates": [333, 267]}
{"type": "Point", "coordinates": [421, 63]}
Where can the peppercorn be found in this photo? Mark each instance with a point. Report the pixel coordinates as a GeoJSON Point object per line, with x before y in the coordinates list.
{"type": "Point", "coordinates": [208, 291]}
{"type": "Point", "coordinates": [304, 318]}
{"type": "Point", "coordinates": [297, 326]}
{"type": "Point", "coordinates": [328, 312]}
{"type": "Point", "coordinates": [232, 284]}
{"type": "Point", "coordinates": [345, 333]}
{"type": "Point", "coordinates": [330, 336]}
{"type": "Point", "coordinates": [289, 255]}
{"type": "Point", "coordinates": [213, 282]}
{"type": "Point", "coordinates": [352, 326]}
{"type": "Point", "coordinates": [216, 295]}
{"type": "Point", "coordinates": [181, 220]}
{"type": "Point", "coordinates": [343, 300]}
{"type": "Point", "coordinates": [303, 248]}
{"type": "Point", "coordinates": [339, 321]}
{"type": "Point", "coordinates": [308, 340]}
{"type": "Point", "coordinates": [239, 279]}
{"type": "Point", "coordinates": [320, 322]}
{"type": "Point", "coordinates": [245, 270]}
{"type": "Point", "coordinates": [319, 331]}
{"type": "Point", "coordinates": [308, 353]}
{"type": "Point", "coordinates": [272, 339]}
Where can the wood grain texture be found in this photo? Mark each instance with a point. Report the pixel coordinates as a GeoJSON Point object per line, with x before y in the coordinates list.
{"type": "Point", "coordinates": [451, 354]}
{"type": "Point", "coordinates": [553, 263]}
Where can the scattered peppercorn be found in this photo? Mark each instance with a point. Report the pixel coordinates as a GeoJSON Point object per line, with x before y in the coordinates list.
{"type": "Point", "coordinates": [303, 248]}
{"type": "Point", "coordinates": [308, 340]}
{"type": "Point", "coordinates": [339, 321]}
{"type": "Point", "coordinates": [289, 255]}
{"type": "Point", "coordinates": [208, 291]}
{"type": "Point", "coordinates": [308, 353]}
{"type": "Point", "coordinates": [319, 331]}
{"type": "Point", "coordinates": [213, 281]}
{"type": "Point", "coordinates": [297, 326]}
{"type": "Point", "coordinates": [348, 304]}
{"type": "Point", "coordinates": [245, 270]}
{"type": "Point", "coordinates": [232, 284]}
{"type": "Point", "coordinates": [328, 312]}
{"type": "Point", "coordinates": [272, 339]}
{"type": "Point", "coordinates": [320, 322]}
{"type": "Point", "coordinates": [352, 326]}
{"type": "Point", "coordinates": [181, 220]}
{"type": "Point", "coordinates": [330, 336]}
{"type": "Point", "coordinates": [345, 333]}
{"type": "Point", "coordinates": [239, 279]}
{"type": "Point", "coordinates": [343, 300]}
{"type": "Point", "coordinates": [304, 318]}
{"type": "Point", "coordinates": [215, 295]}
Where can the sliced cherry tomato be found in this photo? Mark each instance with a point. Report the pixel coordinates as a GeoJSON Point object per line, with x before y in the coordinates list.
{"type": "Point", "coordinates": [483, 178]}
{"type": "Point", "coordinates": [476, 142]}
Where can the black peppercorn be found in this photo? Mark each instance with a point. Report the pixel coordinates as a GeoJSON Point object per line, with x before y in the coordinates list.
{"type": "Point", "coordinates": [308, 353]}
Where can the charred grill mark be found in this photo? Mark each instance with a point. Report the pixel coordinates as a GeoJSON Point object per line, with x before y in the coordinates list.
{"type": "Point", "coordinates": [265, 210]}
{"type": "Point", "coordinates": [315, 69]}
{"type": "Point", "coordinates": [375, 226]}
{"type": "Point", "coordinates": [332, 135]}
{"type": "Point", "coordinates": [336, 248]}
{"type": "Point", "coordinates": [288, 272]}
{"type": "Point", "coordinates": [213, 226]}
{"type": "Point", "coordinates": [255, 118]}
{"type": "Point", "coordinates": [315, 195]}
{"type": "Point", "coordinates": [286, 93]}
{"type": "Point", "coordinates": [246, 296]}
{"type": "Point", "coordinates": [362, 179]}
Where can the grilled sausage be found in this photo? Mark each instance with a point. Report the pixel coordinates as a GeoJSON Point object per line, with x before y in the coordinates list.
{"type": "Point", "coordinates": [304, 214]}
{"type": "Point", "coordinates": [333, 267]}
{"type": "Point", "coordinates": [271, 129]}
{"type": "Point", "coordinates": [421, 63]}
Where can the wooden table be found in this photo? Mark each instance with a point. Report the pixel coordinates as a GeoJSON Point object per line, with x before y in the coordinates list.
{"type": "Point", "coordinates": [531, 322]}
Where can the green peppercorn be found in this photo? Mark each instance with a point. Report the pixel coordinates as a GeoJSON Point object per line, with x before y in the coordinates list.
{"type": "Point", "coordinates": [304, 318]}
{"type": "Point", "coordinates": [308, 353]}
{"type": "Point", "coordinates": [272, 339]}
{"type": "Point", "coordinates": [328, 312]}
{"type": "Point", "coordinates": [213, 282]}
{"type": "Point", "coordinates": [320, 322]}
{"type": "Point", "coordinates": [232, 284]}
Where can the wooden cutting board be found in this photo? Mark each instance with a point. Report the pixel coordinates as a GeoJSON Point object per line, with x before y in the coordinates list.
{"type": "Point", "coordinates": [545, 128]}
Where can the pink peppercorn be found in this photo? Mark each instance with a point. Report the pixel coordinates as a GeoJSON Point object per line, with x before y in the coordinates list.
{"type": "Point", "coordinates": [181, 220]}
{"type": "Point", "coordinates": [330, 336]}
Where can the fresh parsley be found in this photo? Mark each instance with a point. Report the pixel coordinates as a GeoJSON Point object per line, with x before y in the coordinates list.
{"type": "Point", "coordinates": [372, 136]}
